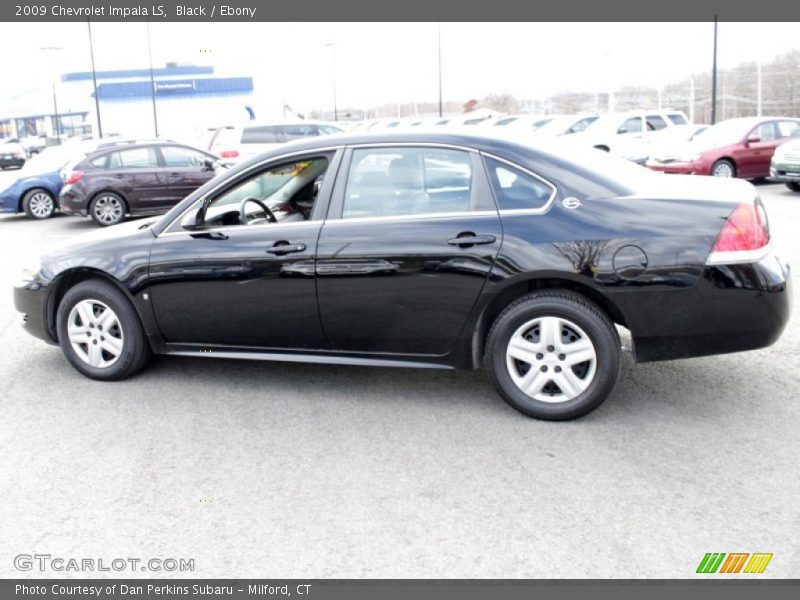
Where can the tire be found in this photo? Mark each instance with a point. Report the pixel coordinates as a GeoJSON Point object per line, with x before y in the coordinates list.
{"type": "Point", "coordinates": [38, 204]}
{"type": "Point", "coordinates": [558, 311]}
{"type": "Point", "coordinates": [723, 168]}
{"type": "Point", "coordinates": [794, 186]}
{"type": "Point", "coordinates": [116, 346]}
{"type": "Point", "coordinates": [108, 208]}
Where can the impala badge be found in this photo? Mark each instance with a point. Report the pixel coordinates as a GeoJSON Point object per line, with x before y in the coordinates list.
{"type": "Point", "coordinates": [572, 203]}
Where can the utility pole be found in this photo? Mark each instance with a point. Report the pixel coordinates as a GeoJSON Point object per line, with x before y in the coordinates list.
{"type": "Point", "coordinates": [440, 67]}
{"type": "Point", "coordinates": [55, 99]}
{"type": "Point", "coordinates": [152, 80]}
{"type": "Point", "coordinates": [758, 91]}
{"type": "Point", "coordinates": [714, 77]}
{"type": "Point", "coordinates": [332, 46]}
{"type": "Point", "coordinates": [94, 81]}
{"type": "Point", "coordinates": [691, 99]}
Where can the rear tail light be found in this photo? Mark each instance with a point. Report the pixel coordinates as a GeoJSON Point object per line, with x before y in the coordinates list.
{"type": "Point", "coordinates": [74, 177]}
{"type": "Point", "coordinates": [744, 237]}
{"type": "Point", "coordinates": [229, 154]}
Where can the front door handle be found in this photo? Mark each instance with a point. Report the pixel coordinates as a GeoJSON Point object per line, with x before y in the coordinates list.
{"type": "Point", "coordinates": [465, 239]}
{"type": "Point", "coordinates": [283, 247]}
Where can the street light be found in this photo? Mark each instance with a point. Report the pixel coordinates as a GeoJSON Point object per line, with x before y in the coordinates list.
{"type": "Point", "coordinates": [55, 99]}
{"type": "Point", "coordinates": [332, 46]}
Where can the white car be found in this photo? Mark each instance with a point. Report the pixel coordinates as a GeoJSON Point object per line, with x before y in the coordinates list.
{"type": "Point", "coordinates": [566, 124]}
{"type": "Point", "coordinates": [236, 143]}
{"type": "Point", "coordinates": [622, 133]}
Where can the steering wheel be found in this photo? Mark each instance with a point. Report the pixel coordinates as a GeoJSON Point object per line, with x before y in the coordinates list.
{"type": "Point", "coordinates": [270, 216]}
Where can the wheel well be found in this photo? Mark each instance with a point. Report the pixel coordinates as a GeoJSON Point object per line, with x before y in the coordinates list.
{"type": "Point", "coordinates": [603, 147]}
{"type": "Point", "coordinates": [28, 191]}
{"type": "Point", "coordinates": [510, 294]}
{"type": "Point", "coordinates": [727, 159]}
{"type": "Point", "coordinates": [67, 281]}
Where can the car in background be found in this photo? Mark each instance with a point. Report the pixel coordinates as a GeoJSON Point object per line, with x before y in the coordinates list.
{"type": "Point", "coordinates": [134, 179]}
{"type": "Point", "coordinates": [34, 144]}
{"type": "Point", "coordinates": [785, 165]}
{"type": "Point", "coordinates": [528, 123]}
{"type": "Point", "coordinates": [236, 143]}
{"type": "Point", "coordinates": [12, 154]}
{"type": "Point", "coordinates": [619, 133]}
{"type": "Point", "coordinates": [734, 148]}
{"type": "Point", "coordinates": [566, 124]}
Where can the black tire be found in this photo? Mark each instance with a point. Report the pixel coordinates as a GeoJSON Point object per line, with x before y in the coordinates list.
{"type": "Point", "coordinates": [723, 165]}
{"type": "Point", "coordinates": [794, 186]}
{"type": "Point", "coordinates": [103, 199]}
{"type": "Point", "coordinates": [579, 311]}
{"type": "Point", "coordinates": [135, 350]}
{"type": "Point", "coordinates": [38, 204]}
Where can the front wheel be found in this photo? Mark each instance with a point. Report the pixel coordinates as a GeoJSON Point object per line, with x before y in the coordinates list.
{"type": "Point", "coordinates": [100, 332]}
{"type": "Point", "coordinates": [107, 209]}
{"type": "Point", "coordinates": [553, 355]}
{"type": "Point", "coordinates": [794, 186]}
{"type": "Point", "coordinates": [723, 168]}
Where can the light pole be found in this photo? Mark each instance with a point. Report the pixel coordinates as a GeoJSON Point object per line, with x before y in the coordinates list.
{"type": "Point", "coordinates": [55, 99]}
{"type": "Point", "coordinates": [152, 80]}
{"type": "Point", "coordinates": [332, 46]}
{"type": "Point", "coordinates": [714, 77]}
{"type": "Point", "coordinates": [439, 42]}
{"type": "Point", "coordinates": [94, 81]}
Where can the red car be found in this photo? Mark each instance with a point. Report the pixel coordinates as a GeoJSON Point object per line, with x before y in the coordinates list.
{"type": "Point", "coordinates": [734, 148]}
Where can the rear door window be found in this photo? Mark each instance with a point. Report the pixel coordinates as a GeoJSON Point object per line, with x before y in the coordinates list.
{"type": "Point", "coordinates": [134, 158]}
{"type": "Point", "coordinates": [655, 122]}
{"type": "Point", "coordinates": [788, 129]}
{"type": "Point", "coordinates": [677, 118]}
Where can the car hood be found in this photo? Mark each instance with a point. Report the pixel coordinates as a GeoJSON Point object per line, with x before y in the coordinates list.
{"type": "Point", "coordinates": [99, 242]}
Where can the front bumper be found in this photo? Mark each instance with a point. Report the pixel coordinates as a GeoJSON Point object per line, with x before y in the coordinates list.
{"type": "Point", "coordinates": [30, 300]}
{"type": "Point", "coordinates": [734, 307]}
{"type": "Point", "coordinates": [785, 172]}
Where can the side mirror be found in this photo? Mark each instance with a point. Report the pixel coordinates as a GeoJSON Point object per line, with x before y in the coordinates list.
{"type": "Point", "coordinates": [753, 139]}
{"type": "Point", "coordinates": [195, 222]}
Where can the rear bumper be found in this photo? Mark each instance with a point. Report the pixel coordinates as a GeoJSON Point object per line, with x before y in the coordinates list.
{"type": "Point", "coordinates": [31, 301]}
{"type": "Point", "coordinates": [733, 308]}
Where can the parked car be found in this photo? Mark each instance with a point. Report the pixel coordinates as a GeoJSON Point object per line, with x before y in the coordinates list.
{"type": "Point", "coordinates": [234, 144]}
{"type": "Point", "coordinates": [529, 123]}
{"type": "Point", "coordinates": [621, 133]}
{"type": "Point", "coordinates": [134, 179]}
{"type": "Point", "coordinates": [434, 250]}
{"type": "Point", "coordinates": [733, 148]}
{"type": "Point", "coordinates": [12, 155]}
{"type": "Point", "coordinates": [785, 165]}
{"type": "Point", "coordinates": [566, 125]}
{"type": "Point", "coordinates": [34, 144]}
{"type": "Point", "coordinates": [36, 191]}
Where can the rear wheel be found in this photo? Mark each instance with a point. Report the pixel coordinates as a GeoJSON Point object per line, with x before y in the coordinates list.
{"type": "Point", "coordinates": [553, 355]}
{"type": "Point", "coordinates": [108, 208]}
{"type": "Point", "coordinates": [794, 186]}
{"type": "Point", "coordinates": [38, 204]}
{"type": "Point", "coordinates": [100, 332]}
{"type": "Point", "coordinates": [723, 168]}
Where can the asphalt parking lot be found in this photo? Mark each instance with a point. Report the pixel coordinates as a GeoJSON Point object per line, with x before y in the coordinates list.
{"type": "Point", "coordinates": [289, 470]}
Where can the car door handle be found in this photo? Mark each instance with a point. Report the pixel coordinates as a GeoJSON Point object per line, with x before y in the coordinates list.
{"type": "Point", "coordinates": [467, 238]}
{"type": "Point", "coordinates": [284, 247]}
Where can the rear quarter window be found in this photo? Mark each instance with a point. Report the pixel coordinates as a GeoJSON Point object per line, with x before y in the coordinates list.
{"type": "Point", "coordinates": [515, 189]}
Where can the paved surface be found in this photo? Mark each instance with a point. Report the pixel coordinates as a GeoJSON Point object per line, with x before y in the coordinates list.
{"type": "Point", "coordinates": [291, 470]}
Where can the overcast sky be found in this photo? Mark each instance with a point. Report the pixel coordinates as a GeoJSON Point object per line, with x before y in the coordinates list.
{"type": "Point", "coordinates": [378, 63]}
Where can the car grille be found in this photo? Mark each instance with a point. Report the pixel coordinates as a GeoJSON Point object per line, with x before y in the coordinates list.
{"type": "Point", "coordinates": [793, 156]}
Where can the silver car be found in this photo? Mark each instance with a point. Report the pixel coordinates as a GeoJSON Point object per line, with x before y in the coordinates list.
{"type": "Point", "coordinates": [785, 165]}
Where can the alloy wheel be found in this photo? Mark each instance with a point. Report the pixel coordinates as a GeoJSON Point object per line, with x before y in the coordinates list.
{"type": "Point", "coordinates": [41, 205]}
{"type": "Point", "coordinates": [723, 169]}
{"type": "Point", "coordinates": [95, 333]}
{"type": "Point", "coordinates": [108, 209]}
{"type": "Point", "coordinates": [551, 359]}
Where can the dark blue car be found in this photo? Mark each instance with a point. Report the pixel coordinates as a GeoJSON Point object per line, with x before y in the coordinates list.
{"type": "Point", "coordinates": [35, 195]}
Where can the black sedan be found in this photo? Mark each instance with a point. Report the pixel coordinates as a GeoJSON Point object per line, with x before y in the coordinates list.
{"type": "Point", "coordinates": [426, 250]}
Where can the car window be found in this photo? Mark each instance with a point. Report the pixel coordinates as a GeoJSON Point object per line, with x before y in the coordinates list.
{"type": "Point", "coordinates": [266, 134]}
{"type": "Point", "coordinates": [788, 129]}
{"type": "Point", "coordinates": [385, 182]}
{"type": "Point", "coordinates": [176, 156]}
{"type": "Point", "coordinates": [329, 130]}
{"type": "Point", "coordinates": [134, 158]}
{"type": "Point", "coordinates": [765, 132]}
{"type": "Point", "coordinates": [293, 132]}
{"type": "Point", "coordinates": [655, 122]}
{"type": "Point", "coordinates": [632, 125]}
{"type": "Point", "coordinates": [581, 125]}
{"type": "Point", "coordinates": [289, 190]}
{"type": "Point", "coordinates": [677, 118]}
{"type": "Point", "coordinates": [506, 121]}
{"type": "Point", "coordinates": [100, 162]}
{"type": "Point", "coordinates": [516, 190]}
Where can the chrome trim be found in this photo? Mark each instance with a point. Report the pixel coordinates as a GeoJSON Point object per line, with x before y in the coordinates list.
{"type": "Point", "coordinates": [412, 144]}
{"type": "Point", "coordinates": [419, 217]}
{"type": "Point", "coordinates": [739, 256]}
{"type": "Point", "coordinates": [245, 172]}
{"type": "Point", "coordinates": [526, 211]}
{"type": "Point", "coordinates": [233, 228]}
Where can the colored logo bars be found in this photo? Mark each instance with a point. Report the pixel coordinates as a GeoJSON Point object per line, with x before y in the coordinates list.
{"type": "Point", "coordinates": [719, 562]}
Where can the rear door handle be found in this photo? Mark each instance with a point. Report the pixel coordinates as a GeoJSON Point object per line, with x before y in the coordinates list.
{"type": "Point", "coordinates": [283, 247]}
{"type": "Point", "coordinates": [467, 238]}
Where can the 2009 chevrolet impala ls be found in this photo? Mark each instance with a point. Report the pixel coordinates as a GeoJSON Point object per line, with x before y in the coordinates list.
{"type": "Point", "coordinates": [426, 250]}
